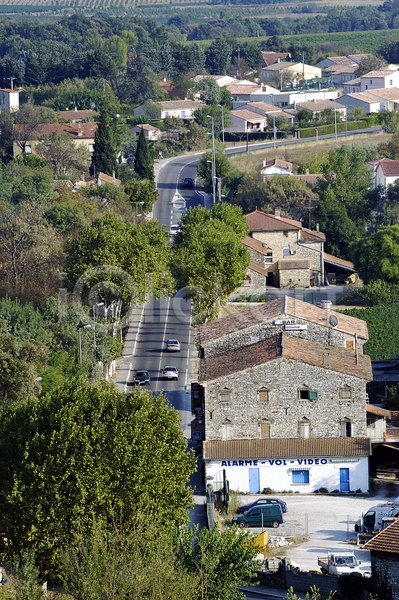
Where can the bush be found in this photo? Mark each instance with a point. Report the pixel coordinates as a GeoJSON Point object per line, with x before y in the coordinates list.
{"type": "Point", "coordinates": [268, 491]}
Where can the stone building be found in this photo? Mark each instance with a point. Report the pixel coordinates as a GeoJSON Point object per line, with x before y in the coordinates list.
{"type": "Point", "coordinates": [384, 551]}
{"type": "Point", "coordinates": [283, 390]}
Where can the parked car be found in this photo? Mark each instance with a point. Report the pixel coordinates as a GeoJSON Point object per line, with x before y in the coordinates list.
{"type": "Point", "coordinates": [260, 502]}
{"type": "Point", "coordinates": [173, 346]}
{"type": "Point", "coordinates": [142, 377]}
{"type": "Point", "coordinates": [174, 229]}
{"type": "Point", "coordinates": [170, 373]}
{"type": "Point", "coordinates": [269, 515]}
{"type": "Point", "coordinates": [188, 182]}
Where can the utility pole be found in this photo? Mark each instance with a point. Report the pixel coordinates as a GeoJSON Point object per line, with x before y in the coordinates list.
{"type": "Point", "coordinates": [213, 159]}
{"type": "Point", "coordinates": [11, 81]}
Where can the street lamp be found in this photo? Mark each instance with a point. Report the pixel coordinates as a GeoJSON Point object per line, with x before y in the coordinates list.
{"type": "Point", "coordinates": [220, 106]}
{"type": "Point", "coordinates": [94, 328]}
{"type": "Point", "coordinates": [136, 213]}
{"type": "Point", "coordinates": [213, 159]}
{"type": "Point", "coordinates": [88, 326]}
{"type": "Point", "coordinates": [274, 123]}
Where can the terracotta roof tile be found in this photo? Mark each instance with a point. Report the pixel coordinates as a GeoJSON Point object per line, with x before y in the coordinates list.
{"type": "Point", "coordinates": [273, 309]}
{"type": "Point", "coordinates": [76, 115]}
{"type": "Point", "coordinates": [257, 268]}
{"type": "Point", "coordinates": [285, 345]}
{"type": "Point", "coordinates": [179, 104]}
{"type": "Point", "coordinates": [283, 65]}
{"type": "Point", "coordinates": [382, 73]}
{"type": "Point", "coordinates": [248, 115]}
{"type": "Point", "coordinates": [263, 106]}
{"type": "Point", "coordinates": [376, 410]}
{"type": "Point", "coordinates": [385, 541]}
{"type": "Point", "coordinates": [277, 162]}
{"type": "Point", "coordinates": [387, 93]}
{"type": "Point", "coordinates": [318, 105]}
{"type": "Point", "coordinates": [257, 245]}
{"type": "Point", "coordinates": [74, 130]}
{"type": "Point", "coordinates": [240, 90]}
{"type": "Point", "coordinates": [356, 81]}
{"type": "Point", "coordinates": [285, 448]}
{"type": "Point", "coordinates": [362, 97]}
{"type": "Point", "coordinates": [390, 167]}
{"type": "Point", "coordinates": [338, 261]}
{"type": "Point", "coordinates": [341, 60]}
{"type": "Point", "coordinates": [260, 221]}
{"type": "Point", "coordinates": [307, 234]}
{"type": "Point", "coordinates": [269, 58]}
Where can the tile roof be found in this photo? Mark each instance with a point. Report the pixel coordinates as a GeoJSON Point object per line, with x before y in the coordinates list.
{"type": "Point", "coordinates": [285, 345]}
{"type": "Point", "coordinates": [337, 69]}
{"type": "Point", "coordinates": [361, 96]}
{"type": "Point", "coordinates": [147, 127]}
{"type": "Point", "coordinates": [248, 115]}
{"type": "Point", "coordinates": [288, 264]}
{"type": "Point", "coordinates": [269, 58]}
{"type": "Point", "coordinates": [285, 448]}
{"type": "Point", "coordinates": [257, 268]}
{"type": "Point", "coordinates": [307, 235]}
{"type": "Point", "coordinates": [341, 60]}
{"type": "Point", "coordinates": [381, 73]}
{"type": "Point", "coordinates": [105, 178]}
{"type": "Point", "coordinates": [273, 309]}
{"type": "Point", "coordinates": [338, 261]}
{"type": "Point", "coordinates": [277, 162]}
{"type": "Point", "coordinates": [76, 115]}
{"type": "Point", "coordinates": [385, 541]}
{"type": "Point", "coordinates": [240, 90]}
{"type": "Point", "coordinates": [376, 410]}
{"type": "Point", "coordinates": [8, 90]}
{"type": "Point", "coordinates": [356, 81]}
{"type": "Point", "coordinates": [282, 65]}
{"type": "Point", "coordinates": [260, 221]}
{"type": "Point", "coordinates": [255, 244]}
{"type": "Point", "coordinates": [264, 106]}
{"type": "Point", "coordinates": [359, 57]}
{"type": "Point", "coordinates": [75, 130]}
{"type": "Point", "coordinates": [386, 93]}
{"type": "Point", "coordinates": [390, 167]}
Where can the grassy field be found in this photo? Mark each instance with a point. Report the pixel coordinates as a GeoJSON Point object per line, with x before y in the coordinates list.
{"type": "Point", "coordinates": [302, 153]}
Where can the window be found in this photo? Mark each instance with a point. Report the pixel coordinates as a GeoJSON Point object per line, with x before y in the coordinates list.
{"type": "Point", "coordinates": [263, 395]}
{"type": "Point", "coordinates": [301, 476]}
{"type": "Point", "coordinates": [225, 396]}
{"type": "Point", "coordinates": [306, 394]}
{"type": "Point", "coordinates": [304, 428]}
{"type": "Point", "coordinates": [371, 81]}
{"type": "Point", "coordinates": [264, 430]}
{"type": "Point", "coordinates": [227, 430]}
{"type": "Point", "coordinates": [345, 393]}
{"type": "Point", "coordinates": [286, 252]}
{"type": "Point", "coordinates": [346, 429]}
{"type": "Point", "coordinates": [285, 233]}
{"type": "Point", "coordinates": [91, 147]}
{"type": "Point", "coordinates": [390, 82]}
{"type": "Point", "coordinates": [349, 344]}
{"type": "Point", "coordinates": [269, 257]}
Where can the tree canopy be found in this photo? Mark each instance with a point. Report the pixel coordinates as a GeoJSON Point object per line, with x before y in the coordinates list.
{"type": "Point", "coordinates": [377, 257]}
{"type": "Point", "coordinates": [87, 453]}
{"type": "Point", "coordinates": [103, 158]}
{"type": "Point", "coordinates": [143, 162]}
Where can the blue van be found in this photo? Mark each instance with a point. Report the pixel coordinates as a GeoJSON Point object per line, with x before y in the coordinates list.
{"type": "Point", "coordinates": [261, 516]}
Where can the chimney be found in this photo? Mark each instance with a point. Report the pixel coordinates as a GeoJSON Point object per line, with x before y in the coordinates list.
{"type": "Point", "coordinates": [307, 171]}
{"type": "Point", "coordinates": [113, 175]}
{"type": "Point", "coordinates": [327, 304]}
{"type": "Point", "coordinates": [277, 213]}
{"type": "Point", "coordinates": [264, 163]}
{"type": "Point", "coordinates": [76, 108]}
{"type": "Point", "coordinates": [317, 227]}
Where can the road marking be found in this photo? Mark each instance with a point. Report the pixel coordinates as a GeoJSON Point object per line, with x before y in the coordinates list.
{"type": "Point", "coordinates": [163, 340]}
{"type": "Point", "coordinates": [188, 353]}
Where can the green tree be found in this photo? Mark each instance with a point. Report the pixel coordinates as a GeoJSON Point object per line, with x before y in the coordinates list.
{"type": "Point", "coordinates": [222, 166]}
{"type": "Point", "coordinates": [23, 577]}
{"type": "Point", "coordinates": [144, 192]}
{"type": "Point", "coordinates": [208, 257]}
{"type": "Point", "coordinates": [209, 90]}
{"type": "Point", "coordinates": [218, 56]}
{"type": "Point", "coordinates": [143, 162]}
{"type": "Point", "coordinates": [356, 113]}
{"type": "Point", "coordinates": [118, 562]}
{"type": "Point", "coordinates": [87, 454]}
{"type": "Point", "coordinates": [134, 251]}
{"type": "Point", "coordinates": [339, 229]}
{"type": "Point", "coordinates": [221, 560]}
{"type": "Point", "coordinates": [103, 158]}
{"type": "Point", "coordinates": [62, 154]}
{"type": "Point", "coordinates": [28, 121]}
{"type": "Point", "coordinates": [389, 121]}
{"type": "Point", "coordinates": [377, 256]}
{"type": "Point", "coordinates": [390, 149]}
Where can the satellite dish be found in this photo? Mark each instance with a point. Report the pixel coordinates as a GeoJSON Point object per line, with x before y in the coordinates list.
{"type": "Point", "coordinates": [333, 321]}
{"type": "Point", "coordinates": [92, 105]}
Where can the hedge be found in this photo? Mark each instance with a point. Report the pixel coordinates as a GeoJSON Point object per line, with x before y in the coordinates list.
{"type": "Point", "coordinates": [308, 132]}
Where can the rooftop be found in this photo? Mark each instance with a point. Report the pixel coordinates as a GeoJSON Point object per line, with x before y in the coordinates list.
{"type": "Point", "coordinates": [260, 221]}
{"type": "Point", "coordinates": [75, 130]}
{"type": "Point", "coordinates": [381, 73]}
{"type": "Point", "coordinates": [385, 541]}
{"type": "Point", "coordinates": [286, 447]}
{"type": "Point", "coordinates": [276, 308]}
{"type": "Point", "coordinates": [257, 245]}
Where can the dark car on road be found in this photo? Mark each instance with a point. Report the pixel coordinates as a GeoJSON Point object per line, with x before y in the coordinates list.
{"type": "Point", "coordinates": [188, 182]}
{"type": "Point", "coordinates": [142, 377]}
{"type": "Point", "coordinates": [262, 502]}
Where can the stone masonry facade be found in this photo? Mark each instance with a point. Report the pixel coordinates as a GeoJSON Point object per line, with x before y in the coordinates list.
{"type": "Point", "coordinates": [385, 570]}
{"type": "Point", "coordinates": [271, 393]}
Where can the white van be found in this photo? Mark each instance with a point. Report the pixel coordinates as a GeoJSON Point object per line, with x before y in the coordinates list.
{"type": "Point", "coordinates": [372, 519]}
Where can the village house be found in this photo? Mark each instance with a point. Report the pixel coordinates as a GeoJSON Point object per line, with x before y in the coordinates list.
{"type": "Point", "coordinates": [384, 553]}
{"type": "Point", "coordinates": [81, 133]}
{"type": "Point", "coordinates": [183, 109]}
{"type": "Point", "coordinates": [297, 71]}
{"type": "Point", "coordinates": [282, 391]}
{"type": "Point", "coordinates": [77, 116]}
{"type": "Point", "coordinates": [349, 60]}
{"type": "Point", "coordinates": [270, 58]}
{"type": "Point", "coordinates": [388, 98]}
{"type": "Point", "coordinates": [150, 132]}
{"type": "Point", "coordinates": [385, 172]}
{"type": "Point", "coordinates": [360, 100]}
{"type": "Point", "coordinates": [9, 100]}
{"type": "Point", "coordinates": [318, 106]}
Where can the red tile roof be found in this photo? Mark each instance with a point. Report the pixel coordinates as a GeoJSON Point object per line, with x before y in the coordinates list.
{"type": "Point", "coordinates": [260, 221]}
{"type": "Point", "coordinates": [376, 410]}
{"type": "Point", "coordinates": [277, 162]}
{"type": "Point", "coordinates": [276, 308]}
{"type": "Point", "coordinates": [105, 178]}
{"type": "Point", "coordinates": [285, 345]}
{"type": "Point", "coordinates": [390, 167]}
{"type": "Point", "coordinates": [257, 245]}
{"type": "Point", "coordinates": [307, 235]}
{"type": "Point", "coordinates": [385, 541]}
{"type": "Point", "coordinates": [269, 58]}
{"type": "Point", "coordinates": [75, 130]}
{"type": "Point", "coordinates": [77, 115]}
{"type": "Point", "coordinates": [257, 268]}
{"type": "Point", "coordinates": [338, 261]}
{"type": "Point", "coordinates": [285, 448]}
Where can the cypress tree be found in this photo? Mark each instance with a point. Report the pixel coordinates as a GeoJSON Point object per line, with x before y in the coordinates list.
{"type": "Point", "coordinates": [143, 163]}
{"type": "Point", "coordinates": [103, 158]}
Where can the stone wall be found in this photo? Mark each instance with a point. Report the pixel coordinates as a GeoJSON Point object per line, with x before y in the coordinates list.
{"type": "Point", "coordinates": [278, 241]}
{"type": "Point", "coordinates": [264, 330]}
{"type": "Point", "coordinates": [294, 278]}
{"type": "Point", "coordinates": [301, 581]}
{"type": "Point", "coordinates": [385, 570]}
{"type": "Point", "coordinates": [283, 378]}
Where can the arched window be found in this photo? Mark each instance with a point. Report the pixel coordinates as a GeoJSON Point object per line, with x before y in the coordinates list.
{"type": "Point", "coordinates": [264, 429]}
{"type": "Point", "coordinates": [304, 428]}
{"type": "Point", "coordinates": [226, 430]}
{"type": "Point", "coordinates": [346, 428]}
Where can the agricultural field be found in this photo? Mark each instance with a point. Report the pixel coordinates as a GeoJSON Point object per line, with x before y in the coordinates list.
{"type": "Point", "coordinates": [383, 326]}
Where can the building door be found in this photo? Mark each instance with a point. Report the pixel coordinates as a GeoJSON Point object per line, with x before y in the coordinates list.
{"type": "Point", "coordinates": [344, 480]}
{"type": "Point", "coordinates": [254, 481]}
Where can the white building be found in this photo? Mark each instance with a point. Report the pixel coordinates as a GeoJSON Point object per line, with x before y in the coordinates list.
{"type": "Point", "coordinates": [9, 100]}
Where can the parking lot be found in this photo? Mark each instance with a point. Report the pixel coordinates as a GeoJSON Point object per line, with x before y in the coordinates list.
{"type": "Point", "coordinates": [327, 520]}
